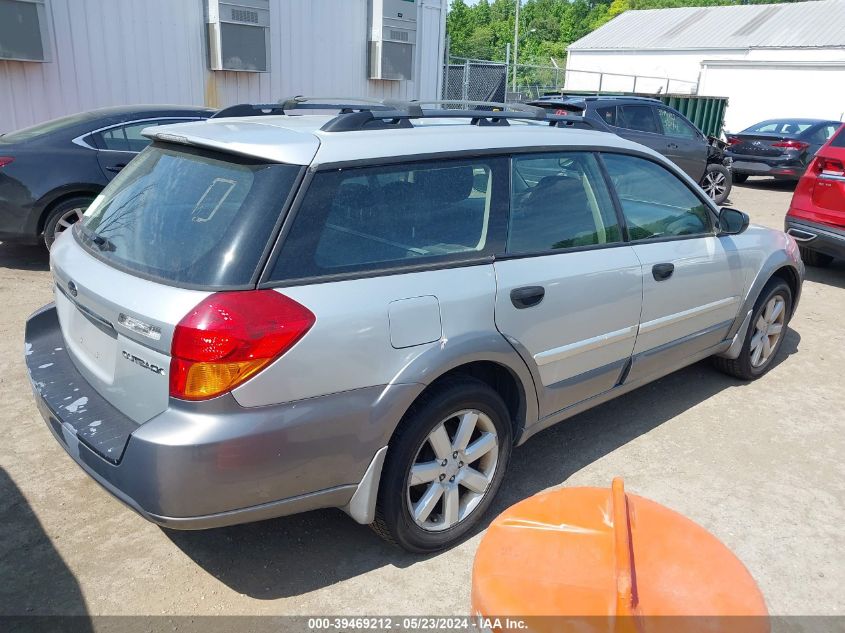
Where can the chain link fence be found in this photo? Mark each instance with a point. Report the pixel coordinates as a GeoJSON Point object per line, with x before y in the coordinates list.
{"type": "Point", "coordinates": [482, 80]}
{"type": "Point", "coordinates": [474, 80]}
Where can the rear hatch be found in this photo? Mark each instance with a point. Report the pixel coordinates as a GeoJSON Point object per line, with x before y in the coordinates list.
{"type": "Point", "coordinates": [177, 224]}
{"type": "Point", "coordinates": [829, 184]}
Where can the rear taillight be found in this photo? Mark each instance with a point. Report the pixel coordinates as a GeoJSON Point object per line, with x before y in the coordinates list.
{"type": "Point", "coordinates": [231, 336]}
{"type": "Point", "coordinates": [5, 160]}
{"type": "Point", "coordinates": [732, 140]}
{"type": "Point", "coordinates": [829, 167]}
{"type": "Point", "coordinates": [799, 145]}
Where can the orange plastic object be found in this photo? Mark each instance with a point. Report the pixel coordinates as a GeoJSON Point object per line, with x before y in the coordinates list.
{"type": "Point", "coordinates": [587, 554]}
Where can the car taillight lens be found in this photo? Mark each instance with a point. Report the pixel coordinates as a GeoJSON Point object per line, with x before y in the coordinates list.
{"type": "Point", "coordinates": [830, 167]}
{"type": "Point", "coordinates": [231, 336]}
{"type": "Point", "coordinates": [732, 140]}
{"type": "Point", "coordinates": [5, 160]}
{"type": "Point", "coordinates": [799, 145]}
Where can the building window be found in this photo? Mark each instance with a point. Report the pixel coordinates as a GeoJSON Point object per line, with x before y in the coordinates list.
{"type": "Point", "coordinates": [23, 30]}
{"type": "Point", "coordinates": [239, 35]}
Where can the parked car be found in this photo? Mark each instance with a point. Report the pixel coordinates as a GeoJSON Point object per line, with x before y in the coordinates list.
{"type": "Point", "coordinates": [779, 147]}
{"type": "Point", "coordinates": [370, 310]}
{"type": "Point", "coordinates": [50, 172]}
{"type": "Point", "coordinates": [662, 128]}
{"type": "Point", "coordinates": [816, 217]}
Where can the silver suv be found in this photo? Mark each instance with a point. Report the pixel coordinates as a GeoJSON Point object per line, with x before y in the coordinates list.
{"type": "Point", "coordinates": [267, 314]}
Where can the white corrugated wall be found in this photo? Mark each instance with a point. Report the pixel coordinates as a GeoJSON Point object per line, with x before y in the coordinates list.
{"type": "Point", "coordinates": [116, 52]}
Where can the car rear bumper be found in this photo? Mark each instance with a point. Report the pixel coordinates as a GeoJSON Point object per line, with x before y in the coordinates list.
{"type": "Point", "coordinates": [783, 167]}
{"type": "Point", "coordinates": [202, 465]}
{"type": "Point", "coordinates": [822, 238]}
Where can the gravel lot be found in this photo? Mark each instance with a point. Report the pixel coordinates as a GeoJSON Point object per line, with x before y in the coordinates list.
{"type": "Point", "coordinates": [760, 465]}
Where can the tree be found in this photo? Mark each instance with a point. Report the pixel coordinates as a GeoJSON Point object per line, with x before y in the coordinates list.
{"type": "Point", "coordinates": [547, 27]}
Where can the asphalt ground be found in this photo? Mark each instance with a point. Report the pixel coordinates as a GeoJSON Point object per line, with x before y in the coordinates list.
{"type": "Point", "coordinates": [758, 464]}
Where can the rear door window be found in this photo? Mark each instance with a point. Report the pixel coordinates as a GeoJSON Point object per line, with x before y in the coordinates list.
{"type": "Point", "coordinates": [375, 218]}
{"type": "Point", "coordinates": [127, 138]}
{"type": "Point", "coordinates": [607, 114]}
{"type": "Point", "coordinates": [189, 217]}
{"type": "Point", "coordinates": [839, 139]}
{"type": "Point", "coordinates": [559, 201]}
{"type": "Point", "coordinates": [638, 117]}
{"type": "Point", "coordinates": [655, 202]}
{"type": "Point", "coordinates": [821, 135]}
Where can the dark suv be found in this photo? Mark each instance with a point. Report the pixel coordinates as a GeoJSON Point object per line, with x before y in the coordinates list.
{"type": "Point", "coordinates": [655, 125]}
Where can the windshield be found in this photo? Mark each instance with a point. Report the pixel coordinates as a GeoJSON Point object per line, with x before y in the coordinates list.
{"type": "Point", "coordinates": [42, 129]}
{"type": "Point", "coordinates": [188, 217]}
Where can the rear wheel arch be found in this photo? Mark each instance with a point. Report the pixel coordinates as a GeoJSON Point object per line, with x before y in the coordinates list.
{"type": "Point", "coordinates": [56, 198]}
{"type": "Point", "coordinates": [498, 377]}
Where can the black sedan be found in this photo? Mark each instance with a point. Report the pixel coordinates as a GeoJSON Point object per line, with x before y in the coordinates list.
{"type": "Point", "coordinates": [779, 147]}
{"type": "Point", "coordinates": [50, 173]}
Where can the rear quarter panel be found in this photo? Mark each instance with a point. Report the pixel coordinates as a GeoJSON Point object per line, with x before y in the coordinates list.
{"type": "Point", "coordinates": [349, 346]}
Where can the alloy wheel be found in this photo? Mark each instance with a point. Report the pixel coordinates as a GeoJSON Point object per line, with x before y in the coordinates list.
{"type": "Point", "coordinates": [768, 331]}
{"type": "Point", "coordinates": [68, 219]}
{"type": "Point", "coordinates": [453, 470]}
{"type": "Point", "coordinates": [715, 184]}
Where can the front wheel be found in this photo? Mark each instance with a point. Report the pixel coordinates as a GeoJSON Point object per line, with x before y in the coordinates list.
{"type": "Point", "coordinates": [717, 182]}
{"type": "Point", "coordinates": [444, 466]}
{"type": "Point", "coordinates": [765, 333]}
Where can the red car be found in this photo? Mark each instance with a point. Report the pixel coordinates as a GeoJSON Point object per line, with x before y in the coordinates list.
{"type": "Point", "coordinates": [816, 217]}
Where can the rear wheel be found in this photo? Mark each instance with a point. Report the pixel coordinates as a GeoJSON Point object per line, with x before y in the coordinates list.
{"type": "Point", "coordinates": [814, 258]}
{"type": "Point", "coordinates": [739, 178]}
{"type": "Point", "coordinates": [444, 466]}
{"type": "Point", "coordinates": [717, 182]}
{"type": "Point", "coordinates": [63, 216]}
{"type": "Point", "coordinates": [765, 333]}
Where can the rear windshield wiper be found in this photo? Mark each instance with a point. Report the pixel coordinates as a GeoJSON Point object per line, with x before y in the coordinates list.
{"type": "Point", "coordinates": [102, 243]}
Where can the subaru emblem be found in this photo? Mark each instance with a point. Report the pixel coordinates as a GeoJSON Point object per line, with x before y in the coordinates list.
{"type": "Point", "coordinates": [72, 288]}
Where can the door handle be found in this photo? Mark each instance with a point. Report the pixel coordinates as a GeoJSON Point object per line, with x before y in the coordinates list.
{"type": "Point", "coordinates": [116, 168]}
{"type": "Point", "coordinates": [672, 146]}
{"type": "Point", "coordinates": [661, 272]}
{"type": "Point", "coordinates": [527, 297]}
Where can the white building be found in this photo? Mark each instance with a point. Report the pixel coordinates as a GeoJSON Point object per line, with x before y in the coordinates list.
{"type": "Point", "coordinates": [64, 56]}
{"type": "Point", "coordinates": [779, 60]}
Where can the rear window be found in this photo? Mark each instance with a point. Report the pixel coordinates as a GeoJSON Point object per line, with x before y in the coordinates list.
{"type": "Point", "coordinates": [784, 126]}
{"type": "Point", "coordinates": [375, 218]}
{"type": "Point", "coordinates": [43, 129]}
{"type": "Point", "coordinates": [188, 217]}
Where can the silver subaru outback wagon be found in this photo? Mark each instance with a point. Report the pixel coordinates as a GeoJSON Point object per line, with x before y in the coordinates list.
{"type": "Point", "coordinates": [275, 311]}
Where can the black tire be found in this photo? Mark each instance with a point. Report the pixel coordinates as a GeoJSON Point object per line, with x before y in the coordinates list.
{"type": "Point", "coordinates": [59, 212]}
{"type": "Point", "coordinates": [738, 178]}
{"type": "Point", "coordinates": [717, 182]}
{"type": "Point", "coordinates": [742, 367]}
{"type": "Point", "coordinates": [393, 520]}
{"type": "Point", "coordinates": [814, 258]}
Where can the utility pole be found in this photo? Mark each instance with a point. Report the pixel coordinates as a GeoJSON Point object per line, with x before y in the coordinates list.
{"type": "Point", "coordinates": [515, 44]}
{"type": "Point", "coordinates": [507, 65]}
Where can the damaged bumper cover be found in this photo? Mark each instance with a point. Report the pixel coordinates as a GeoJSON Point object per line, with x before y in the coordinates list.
{"type": "Point", "coordinates": [202, 465]}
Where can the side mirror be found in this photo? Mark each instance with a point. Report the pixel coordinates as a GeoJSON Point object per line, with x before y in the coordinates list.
{"type": "Point", "coordinates": [732, 221]}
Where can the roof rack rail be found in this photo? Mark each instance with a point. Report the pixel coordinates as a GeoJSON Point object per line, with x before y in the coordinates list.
{"type": "Point", "coordinates": [344, 104]}
{"type": "Point", "coordinates": [385, 120]}
{"type": "Point", "coordinates": [360, 114]}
